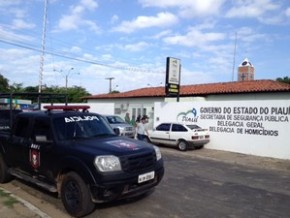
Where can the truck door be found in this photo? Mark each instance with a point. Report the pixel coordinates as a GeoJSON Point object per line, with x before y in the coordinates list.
{"type": "Point", "coordinates": [41, 156]}
{"type": "Point", "coordinates": [19, 143]}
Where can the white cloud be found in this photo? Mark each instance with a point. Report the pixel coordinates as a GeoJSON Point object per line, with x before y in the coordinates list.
{"type": "Point", "coordinates": [107, 57]}
{"type": "Point", "coordinates": [287, 12]}
{"type": "Point", "coordinates": [75, 49]}
{"type": "Point", "coordinates": [8, 35]}
{"type": "Point", "coordinates": [92, 26]}
{"type": "Point", "coordinates": [188, 8]}
{"type": "Point", "coordinates": [249, 35]}
{"type": "Point", "coordinates": [163, 19]}
{"type": "Point", "coordinates": [17, 12]}
{"type": "Point", "coordinates": [21, 65]}
{"type": "Point", "coordinates": [162, 34]}
{"type": "Point", "coordinates": [136, 46]}
{"type": "Point", "coordinates": [202, 8]}
{"type": "Point", "coordinates": [69, 22]}
{"type": "Point", "coordinates": [75, 19]}
{"type": "Point", "coordinates": [114, 18]}
{"type": "Point", "coordinates": [251, 8]}
{"type": "Point", "coordinates": [21, 24]}
{"type": "Point", "coordinates": [194, 38]}
{"type": "Point", "coordinates": [89, 4]}
{"type": "Point", "coordinates": [13, 54]}
{"type": "Point", "coordinates": [164, 3]}
{"type": "Point", "coordinates": [7, 3]}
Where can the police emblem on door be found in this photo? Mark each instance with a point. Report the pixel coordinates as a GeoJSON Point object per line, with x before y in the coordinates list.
{"type": "Point", "coordinates": [34, 158]}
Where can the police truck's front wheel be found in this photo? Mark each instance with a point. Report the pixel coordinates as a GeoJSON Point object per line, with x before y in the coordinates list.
{"type": "Point", "coordinates": [75, 195]}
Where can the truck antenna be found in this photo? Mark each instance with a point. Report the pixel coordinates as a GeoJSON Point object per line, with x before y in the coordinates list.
{"type": "Point", "coordinates": [43, 47]}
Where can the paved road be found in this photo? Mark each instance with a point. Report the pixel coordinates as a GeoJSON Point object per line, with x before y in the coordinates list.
{"type": "Point", "coordinates": [198, 185]}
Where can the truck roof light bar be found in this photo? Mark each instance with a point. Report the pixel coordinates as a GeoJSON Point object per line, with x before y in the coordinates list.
{"type": "Point", "coordinates": [83, 108]}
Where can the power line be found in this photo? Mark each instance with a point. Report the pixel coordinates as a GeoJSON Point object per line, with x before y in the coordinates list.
{"type": "Point", "coordinates": [129, 68]}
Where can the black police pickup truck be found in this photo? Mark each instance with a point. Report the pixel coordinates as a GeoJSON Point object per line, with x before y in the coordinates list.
{"type": "Point", "coordinates": [75, 153]}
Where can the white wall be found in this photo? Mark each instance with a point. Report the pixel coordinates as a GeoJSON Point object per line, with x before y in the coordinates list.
{"type": "Point", "coordinates": [252, 127]}
{"type": "Point", "coordinates": [100, 108]}
{"type": "Point", "coordinates": [139, 105]}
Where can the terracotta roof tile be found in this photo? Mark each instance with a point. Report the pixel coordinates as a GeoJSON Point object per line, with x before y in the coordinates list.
{"type": "Point", "coordinates": [204, 89]}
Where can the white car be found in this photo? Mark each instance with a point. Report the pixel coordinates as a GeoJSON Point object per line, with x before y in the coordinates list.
{"type": "Point", "coordinates": [179, 135]}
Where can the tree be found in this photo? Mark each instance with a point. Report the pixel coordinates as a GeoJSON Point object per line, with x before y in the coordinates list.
{"type": "Point", "coordinates": [4, 84]}
{"type": "Point", "coordinates": [75, 93]}
{"type": "Point", "coordinates": [16, 87]}
{"type": "Point", "coordinates": [285, 79]}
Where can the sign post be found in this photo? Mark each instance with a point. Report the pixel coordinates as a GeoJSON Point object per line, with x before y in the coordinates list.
{"type": "Point", "coordinates": [172, 82]}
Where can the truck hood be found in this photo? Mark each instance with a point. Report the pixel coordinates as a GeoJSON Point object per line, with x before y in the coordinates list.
{"type": "Point", "coordinates": [117, 146]}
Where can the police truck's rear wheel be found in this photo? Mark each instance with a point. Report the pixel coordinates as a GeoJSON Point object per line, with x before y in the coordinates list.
{"type": "Point", "coordinates": [4, 175]}
{"type": "Point", "coordinates": [75, 195]}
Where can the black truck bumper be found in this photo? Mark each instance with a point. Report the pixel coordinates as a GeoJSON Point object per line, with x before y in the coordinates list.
{"type": "Point", "coordinates": [124, 188]}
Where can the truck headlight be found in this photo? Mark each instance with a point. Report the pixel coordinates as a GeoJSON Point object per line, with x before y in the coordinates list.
{"type": "Point", "coordinates": [108, 163]}
{"type": "Point", "coordinates": [157, 152]}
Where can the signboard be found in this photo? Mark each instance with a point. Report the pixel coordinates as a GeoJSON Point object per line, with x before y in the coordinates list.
{"type": "Point", "coordinates": [252, 127]}
{"type": "Point", "coordinates": [172, 82]}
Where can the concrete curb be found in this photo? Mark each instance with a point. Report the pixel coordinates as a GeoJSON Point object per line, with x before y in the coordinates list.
{"type": "Point", "coordinates": [26, 204]}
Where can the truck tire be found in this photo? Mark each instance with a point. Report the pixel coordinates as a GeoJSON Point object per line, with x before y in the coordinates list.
{"type": "Point", "coordinates": [75, 195]}
{"type": "Point", "coordinates": [182, 145]}
{"type": "Point", "coordinates": [4, 175]}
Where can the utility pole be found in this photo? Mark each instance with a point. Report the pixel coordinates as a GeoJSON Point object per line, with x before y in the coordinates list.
{"type": "Point", "coordinates": [110, 83]}
{"type": "Point", "coordinates": [234, 58]}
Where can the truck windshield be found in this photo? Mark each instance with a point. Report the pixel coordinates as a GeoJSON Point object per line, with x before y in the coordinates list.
{"type": "Point", "coordinates": [81, 126]}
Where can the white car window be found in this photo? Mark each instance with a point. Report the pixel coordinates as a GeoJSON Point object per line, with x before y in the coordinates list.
{"type": "Point", "coordinates": [178, 128]}
{"type": "Point", "coordinates": [193, 127]}
{"type": "Point", "coordinates": [163, 127]}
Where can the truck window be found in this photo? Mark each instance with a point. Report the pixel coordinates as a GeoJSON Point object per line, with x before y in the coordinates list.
{"type": "Point", "coordinates": [21, 129]}
{"type": "Point", "coordinates": [42, 131]}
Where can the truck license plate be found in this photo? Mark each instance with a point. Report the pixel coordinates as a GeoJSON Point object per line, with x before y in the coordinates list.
{"type": "Point", "coordinates": [146, 176]}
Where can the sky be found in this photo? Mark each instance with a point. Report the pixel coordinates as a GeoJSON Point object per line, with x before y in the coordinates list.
{"type": "Point", "coordinates": [87, 42]}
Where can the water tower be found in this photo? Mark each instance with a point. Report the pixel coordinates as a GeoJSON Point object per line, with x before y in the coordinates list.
{"type": "Point", "coordinates": [246, 71]}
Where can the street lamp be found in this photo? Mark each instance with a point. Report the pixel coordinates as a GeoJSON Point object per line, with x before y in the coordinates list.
{"type": "Point", "coordinates": [66, 77]}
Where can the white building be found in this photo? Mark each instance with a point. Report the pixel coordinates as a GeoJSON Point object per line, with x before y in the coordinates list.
{"type": "Point", "coordinates": [141, 101]}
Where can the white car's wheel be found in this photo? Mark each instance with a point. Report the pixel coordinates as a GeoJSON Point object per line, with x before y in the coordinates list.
{"type": "Point", "coordinates": [182, 145]}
